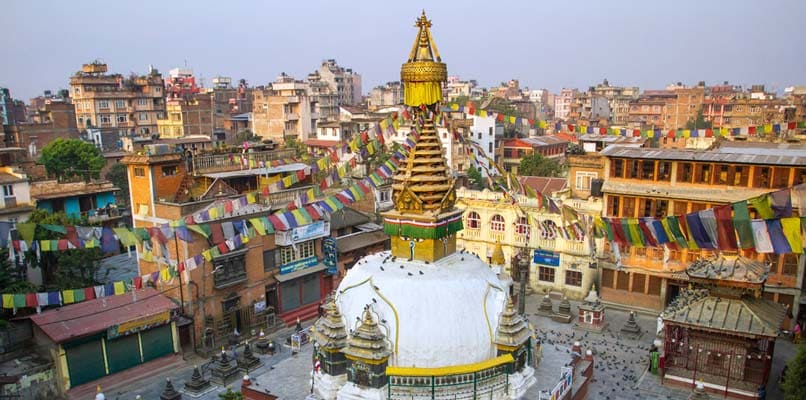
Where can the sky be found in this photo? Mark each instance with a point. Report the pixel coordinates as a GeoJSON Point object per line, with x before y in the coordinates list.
{"type": "Point", "coordinates": [543, 44]}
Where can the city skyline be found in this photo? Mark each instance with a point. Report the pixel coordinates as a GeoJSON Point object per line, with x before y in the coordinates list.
{"type": "Point", "coordinates": [575, 46]}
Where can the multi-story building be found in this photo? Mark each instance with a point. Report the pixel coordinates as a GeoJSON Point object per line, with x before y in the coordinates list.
{"type": "Point", "coordinates": [181, 84]}
{"type": "Point", "coordinates": [326, 99]}
{"type": "Point", "coordinates": [684, 107]}
{"type": "Point", "coordinates": [262, 284]}
{"type": "Point", "coordinates": [641, 182]}
{"type": "Point", "coordinates": [186, 116]}
{"type": "Point", "coordinates": [486, 132]}
{"type": "Point", "coordinates": [514, 150]}
{"type": "Point", "coordinates": [648, 111]}
{"type": "Point", "coordinates": [231, 105]}
{"type": "Point", "coordinates": [132, 104]}
{"type": "Point", "coordinates": [388, 95]}
{"type": "Point", "coordinates": [15, 205]}
{"type": "Point", "coordinates": [55, 119]}
{"type": "Point", "coordinates": [284, 110]}
{"type": "Point", "coordinates": [741, 110]}
{"type": "Point", "coordinates": [345, 83]}
{"type": "Point", "coordinates": [458, 88]}
{"type": "Point", "coordinates": [557, 265]}
{"type": "Point", "coordinates": [562, 103]}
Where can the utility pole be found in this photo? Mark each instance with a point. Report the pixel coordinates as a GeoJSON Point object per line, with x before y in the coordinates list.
{"type": "Point", "coordinates": [181, 289]}
{"type": "Point", "coordinates": [523, 269]}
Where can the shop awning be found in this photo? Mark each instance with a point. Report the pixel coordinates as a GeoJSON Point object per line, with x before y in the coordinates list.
{"type": "Point", "coordinates": [297, 274]}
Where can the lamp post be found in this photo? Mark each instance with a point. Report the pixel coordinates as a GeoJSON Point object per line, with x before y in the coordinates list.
{"type": "Point", "coordinates": [523, 269]}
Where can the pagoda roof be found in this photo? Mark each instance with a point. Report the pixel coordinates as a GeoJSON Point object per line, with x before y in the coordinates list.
{"type": "Point", "coordinates": [746, 316]}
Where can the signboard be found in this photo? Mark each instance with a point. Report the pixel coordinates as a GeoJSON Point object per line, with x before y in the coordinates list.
{"type": "Point", "coordinates": [297, 265]}
{"type": "Point", "coordinates": [331, 255]}
{"type": "Point", "coordinates": [301, 233]}
{"type": "Point", "coordinates": [545, 257]}
{"type": "Point", "coordinates": [137, 325]}
{"type": "Point", "coordinates": [260, 306]}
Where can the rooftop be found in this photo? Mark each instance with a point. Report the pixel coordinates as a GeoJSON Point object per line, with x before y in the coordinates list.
{"type": "Point", "coordinates": [94, 316]}
{"type": "Point", "coordinates": [7, 178]}
{"type": "Point", "coordinates": [258, 171]}
{"type": "Point", "coordinates": [532, 142]}
{"type": "Point", "coordinates": [346, 217]}
{"type": "Point", "coordinates": [729, 268]}
{"type": "Point", "coordinates": [44, 190]}
{"type": "Point", "coordinates": [734, 152]}
{"type": "Point", "coordinates": [746, 316]}
{"type": "Point", "coordinates": [542, 184]}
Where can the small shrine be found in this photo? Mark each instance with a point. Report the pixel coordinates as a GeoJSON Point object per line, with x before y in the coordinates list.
{"type": "Point", "coordinates": [223, 371]}
{"type": "Point", "coordinates": [514, 337]}
{"type": "Point", "coordinates": [546, 307]}
{"type": "Point", "coordinates": [330, 336]}
{"type": "Point", "coordinates": [197, 385]}
{"type": "Point", "coordinates": [591, 313]}
{"type": "Point", "coordinates": [248, 361]}
{"type": "Point", "coordinates": [169, 393]}
{"type": "Point", "coordinates": [631, 329]}
{"type": "Point", "coordinates": [563, 313]}
{"type": "Point", "coordinates": [367, 354]}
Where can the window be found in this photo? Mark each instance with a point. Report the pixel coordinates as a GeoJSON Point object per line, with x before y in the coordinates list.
{"type": "Point", "coordinates": [632, 169]}
{"type": "Point", "coordinates": [104, 119]}
{"type": "Point", "coordinates": [103, 103]}
{"type": "Point", "coordinates": [479, 135]}
{"type": "Point", "coordinates": [304, 250]}
{"type": "Point", "coordinates": [142, 102]}
{"type": "Point", "coordinates": [522, 227]}
{"type": "Point", "coordinates": [497, 223]}
{"type": "Point", "coordinates": [139, 172]}
{"type": "Point", "coordinates": [685, 173]}
{"type": "Point", "coordinates": [142, 116]}
{"type": "Point", "coordinates": [623, 280]}
{"type": "Point", "coordinates": [607, 278]}
{"type": "Point", "coordinates": [583, 180]}
{"type": "Point", "coordinates": [121, 118]}
{"type": "Point", "coordinates": [383, 195]}
{"type": "Point", "coordinates": [573, 278]}
{"type": "Point", "coordinates": [790, 265]}
{"type": "Point", "coordinates": [8, 190]}
{"type": "Point", "coordinates": [271, 260]}
{"type": "Point", "coordinates": [617, 169]}
{"type": "Point", "coordinates": [160, 115]}
{"type": "Point", "coordinates": [490, 147]}
{"type": "Point", "coordinates": [76, 90]}
{"type": "Point", "coordinates": [628, 207]}
{"type": "Point", "coordinates": [230, 269]}
{"type": "Point", "coordinates": [613, 205]}
{"type": "Point", "coordinates": [545, 274]}
{"type": "Point", "coordinates": [120, 104]}
{"type": "Point", "coordinates": [638, 281]}
{"type": "Point", "coordinates": [762, 177]}
{"type": "Point", "coordinates": [739, 176]}
{"type": "Point", "coordinates": [169, 170]}
{"type": "Point", "coordinates": [780, 177]}
{"type": "Point", "coordinates": [664, 171]}
{"type": "Point", "coordinates": [473, 220]}
{"type": "Point", "coordinates": [703, 173]}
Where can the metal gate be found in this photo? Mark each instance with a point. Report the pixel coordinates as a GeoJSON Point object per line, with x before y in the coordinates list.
{"type": "Point", "coordinates": [85, 362]}
{"type": "Point", "coordinates": [123, 353]}
{"type": "Point", "coordinates": [157, 342]}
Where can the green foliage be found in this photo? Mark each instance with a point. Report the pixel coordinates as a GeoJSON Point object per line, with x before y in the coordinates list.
{"type": "Point", "coordinates": [245, 136]}
{"type": "Point", "coordinates": [230, 395]}
{"type": "Point", "coordinates": [537, 165]}
{"type": "Point", "coordinates": [11, 281]}
{"type": "Point", "coordinates": [119, 176]}
{"type": "Point", "coordinates": [66, 158]}
{"type": "Point", "coordinates": [698, 122]}
{"type": "Point", "coordinates": [300, 149]}
{"type": "Point", "coordinates": [68, 269]}
{"type": "Point", "coordinates": [794, 385]}
{"type": "Point", "coordinates": [475, 178]}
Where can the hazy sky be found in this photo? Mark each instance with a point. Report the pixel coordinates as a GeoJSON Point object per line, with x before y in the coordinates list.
{"type": "Point", "coordinates": [543, 44]}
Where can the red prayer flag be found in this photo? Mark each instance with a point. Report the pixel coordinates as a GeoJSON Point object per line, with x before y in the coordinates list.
{"type": "Point", "coordinates": [791, 125]}
{"type": "Point", "coordinates": [636, 132]}
{"type": "Point", "coordinates": [671, 133]}
{"type": "Point", "coordinates": [726, 233]}
{"type": "Point", "coordinates": [602, 130]}
{"type": "Point", "coordinates": [570, 127]}
{"type": "Point", "coordinates": [89, 293]}
{"type": "Point", "coordinates": [31, 300]}
{"type": "Point", "coordinates": [751, 130]}
{"type": "Point", "coordinates": [138, 282]}
{"type": "Point", "coordinates": [709, 133]}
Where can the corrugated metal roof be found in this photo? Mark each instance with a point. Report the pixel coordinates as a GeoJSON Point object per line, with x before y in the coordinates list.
{"type": "Point", "coordinates": [729, 268]}
{"type": "Point", "coordinates": [757, 317]}
{"type": "Point", "coordinates": [92, 316]}
{"type": "Point", "coordinates": [762, 155]}
{"type": "Point", "coordinates": [358, 240]}
{"type": "Point", "coordinates": [293, 167]}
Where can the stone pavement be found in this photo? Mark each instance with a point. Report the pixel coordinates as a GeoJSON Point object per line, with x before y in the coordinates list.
{"type": "Point", "coordinates": [620, 364]}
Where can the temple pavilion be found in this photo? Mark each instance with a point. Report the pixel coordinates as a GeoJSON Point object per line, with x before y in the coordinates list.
{"type": "Point", "coordinates": [422, 321]}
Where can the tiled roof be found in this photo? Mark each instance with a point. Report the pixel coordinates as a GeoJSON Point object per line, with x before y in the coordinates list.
{"type": "Point", "coordinates": [92, 316]}
{"type": "Point", "coordinates": [346, 217]}
{"type": "Point", "coordinates": [729, 268]}
{"type": "Point", "coordinates": [748, 316]}
{"type": "Point", "coordinates": [543, 185]}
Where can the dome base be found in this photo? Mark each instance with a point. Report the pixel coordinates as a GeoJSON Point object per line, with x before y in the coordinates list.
{"type": "Point", "coordinates": [520, 382]}
{"type": "Point", "coordinates": [327, 386]}
{"type": "Point", "coordinates": [351, 391]}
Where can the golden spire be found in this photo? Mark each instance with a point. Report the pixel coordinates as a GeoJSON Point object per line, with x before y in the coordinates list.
{"type": "Point", "coordinates": [498, 255]}
{"type": "Point", "coordinates": [424, 72]}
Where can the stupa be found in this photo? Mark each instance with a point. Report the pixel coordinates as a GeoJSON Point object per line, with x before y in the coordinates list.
{"type": "Point", "coordinates": [421, 320]}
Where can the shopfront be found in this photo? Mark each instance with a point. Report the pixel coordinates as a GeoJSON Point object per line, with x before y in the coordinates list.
{"type": "Point", "coordinates": [302, 282]}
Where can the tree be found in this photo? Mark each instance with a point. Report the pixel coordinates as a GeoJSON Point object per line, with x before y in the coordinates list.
{"type": "Point", "coordinates": [245, 136]}
{"type": "Point", "coordinates": [11, 280]}
{"type": "Point", "coordinates": [794, 384]}
{"type": "Point", "coordinates": [68, 269]}
{"type": "Point", "coordinates": [698, 122]}
{"type": "Point", "coordinates": [65, 158]}
{"type": "Point", "coordinates": [119, 176]}
{"type": "Point", "coordinates": [300, 149]}
{"type": "Point", "coordinates": [230, 395]}
{"type": "Point", "coordinates": [475, 178]}
{"type": "Point", "coordinates": [537, 165]}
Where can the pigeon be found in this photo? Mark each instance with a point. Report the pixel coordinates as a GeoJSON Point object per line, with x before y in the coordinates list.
{"type": "Point", "coordinates": [421, 273]}
{"type": "Point", "coordinates": [382, 269]}
{"type": "Point", "coordinates": [410, 274]}
{"type": "Point", "coordinates": [375, 287]}
{"type": "Point", "coordinates": [401, 266]}
{"type": "Point", "coordinates": [463, 258]}
{"type": "Point", "coordinates": [426, 261]}
{"type": "Point", "coordinates": [374, 301]}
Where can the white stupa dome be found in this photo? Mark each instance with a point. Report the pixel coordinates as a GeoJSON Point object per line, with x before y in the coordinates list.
{"type": "Point", "coordinates": [434, 314]}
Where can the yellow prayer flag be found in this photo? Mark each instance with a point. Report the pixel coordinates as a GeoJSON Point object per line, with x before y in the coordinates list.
{"type": "Point", "coordinates": [165, 275]}
{"type": "Point", "coordinates": [258, 225]}
{"type": "Point", "coordinates": [483, 113]}
{"type": "Point", "coordinates": [512, 120]}
{"type": "Point", "coordinates": [792, 233]}
{"type": "Point", "coordinates": [250, 198]}
{"type": "Point", "coordinates": [213, 212]}
{"type": "Point", "coordinates": [207, 255]}
{"type": "Point", "coordinates": [8, 301]}
{"type": "Point", "coordinates": [724, 132]}
{"type": "Point", "coordinates": [686, 133]}
{"type": "Point", "coordinates": [120, 287]}
{"type": "Point", "coordinates": [67, 297]}
{"type": "Point", "coordinates": [767, 128]}
{"type": "Point", "coordinates": [455, 107]}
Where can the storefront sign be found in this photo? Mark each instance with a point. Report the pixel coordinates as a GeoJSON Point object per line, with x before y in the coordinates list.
{"type": "Point", "coordinates": [138, 325]}
{"type": "Point", "coordinates": [297, 265]}
{"type": "Point", "coordinates": [545, 257]}
{"type": "Point", "coordinates": [331, 255]}
{"type": "Point", "coordinates": [260, 306]}
{"type": "Point", "coordinates": [295, 235]}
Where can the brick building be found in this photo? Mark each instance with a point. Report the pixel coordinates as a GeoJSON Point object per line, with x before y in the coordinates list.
{"type": "Point", "coordinates": [283, 110]}
{"type": "Point", "coordinates": [187, 116]}
{"type": "Point", "coordinates": [55, 119]}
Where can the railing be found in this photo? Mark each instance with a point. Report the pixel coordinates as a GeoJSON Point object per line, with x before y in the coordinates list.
{"type": "Point", "coordinates": [575, 248]}
{"type": "Point", "coordinates": [232, 162]}
{"type": "Point", "coordinates": [292, 99]}
{"type": "Point", "coordinates": [291, 116]}
{"type": "Point", "coordinates": [282, 198]}
{"type": "Point", "coordinates": [546, 244]}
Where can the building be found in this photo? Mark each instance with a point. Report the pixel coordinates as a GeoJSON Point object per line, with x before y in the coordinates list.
{"type": "Point", "coordinates": [720, 331]}
{"type": "Point", "coordinates": [271, 281]}
{"type": "Point", "coordinates": [55, 119]}
{"type": "Point", "coordinates": [457, 88]}
{"type": "Point", "coordinates": [284, 110]}
{"type": "Point", "coordinates": [356, 236]}
{"type": "Point", "coordinates": [423, 319]}
{"type": "Point", "coordinates": [640, 182]}
{"type": "Point", "coordinates": [94, 200]}
{"type": "Point", "coordinates": [562, 103]}
{"type": "Point", "coordinates": [187, 116]}
{"type": "Point", "coordinates": [16, 204]}
{"type": "Point", "coordinates": [684, 107]}
{"type": "Point", "coordinates": [107, 335]}
{"type": "Point", "coordinates": [231, 104]}
{"type": "Point", "coordinates": [132, 104]}
{"type": "Point", "coordinates": [487, 133]}
{"type": "Point", "coordinates": [388, 95]}
{"type": "Point", "coordinates": [345, 83]}
{"type": "Point", "coordinates": [181, 84]}
{"type": "Point", "coordinates": [557, 265]}
{"type": "Point", "coordinates": [515, 150]}
{"type": "Point", "coordinates": [326, 99]}
{"type": "Point", "coordinates": [649, 110]}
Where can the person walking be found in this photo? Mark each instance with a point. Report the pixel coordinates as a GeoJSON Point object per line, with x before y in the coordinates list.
{"type": "Point", "coordinates": [796, 333]}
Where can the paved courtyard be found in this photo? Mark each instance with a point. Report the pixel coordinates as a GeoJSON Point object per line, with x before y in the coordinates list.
{"type": "Point", "coordinates": [620, 364]}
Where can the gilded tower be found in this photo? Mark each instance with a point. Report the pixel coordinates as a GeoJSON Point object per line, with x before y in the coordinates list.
{"type": "Point", "coordinates": [424, 222]}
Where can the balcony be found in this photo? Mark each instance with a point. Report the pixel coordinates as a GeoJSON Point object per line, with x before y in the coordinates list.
{"type": "Point", "coordinates": [292, 99]}
{"type": "Point", "coordinates": [230, 269]}
{"type": "Point", "coordinates": [575, 248]}
{"type": "Point", "coordinates": [282, 198]}
{"type": "Point", "coordinates": [546, 244]}
{"type": "Point", "coordinates": [470, 233]}
{"type": "Point", "coordinates": [203, 164]}
{"type": "Point", "coordinates": [291, 116]}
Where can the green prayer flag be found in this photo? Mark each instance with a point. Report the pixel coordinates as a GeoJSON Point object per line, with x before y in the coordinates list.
{"type": "Point", "coordinates": [19, 300]}
{"type": "Point", "coordinates": [142, 234]}
{"type": "Point", "coordinates": [78, 295]}
{"type": "Point", "coordinates": [201, 229]}
{"type": "Point", "coordinates": [26, 232]}
{"type": "Point", "coordinates": [741, 222]}
{"type": "Point", "coordinates": [55, 228]}
{"type": "Point", "coordinates": [674, 227]}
